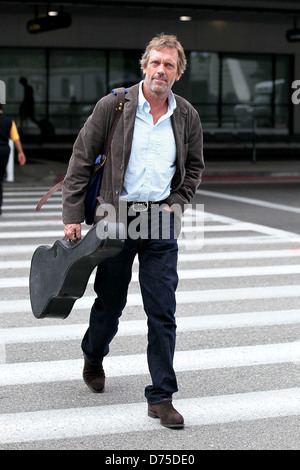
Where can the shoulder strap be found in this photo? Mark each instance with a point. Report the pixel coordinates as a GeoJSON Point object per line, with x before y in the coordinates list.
{"type": "Point", "coordinates": [120, 93]}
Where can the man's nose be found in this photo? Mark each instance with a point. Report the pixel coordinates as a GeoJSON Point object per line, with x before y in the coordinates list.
{"type": "Point", "coordinates": [161, 68]}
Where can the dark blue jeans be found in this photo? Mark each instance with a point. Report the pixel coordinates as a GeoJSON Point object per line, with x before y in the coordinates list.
{"type": "Point", "coordinates": [158, 281]}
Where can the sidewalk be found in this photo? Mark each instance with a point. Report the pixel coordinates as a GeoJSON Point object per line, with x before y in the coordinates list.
{"type": "Point", "coordinates": [47, 173]}
{"type": "Point", "coordinates": [247, 171]}
{"type": "Point", "coordinates": [39, 172]}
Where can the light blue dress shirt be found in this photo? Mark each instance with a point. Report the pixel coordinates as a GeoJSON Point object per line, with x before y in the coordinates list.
{"type": "Point", "coordinates": [152, 160]}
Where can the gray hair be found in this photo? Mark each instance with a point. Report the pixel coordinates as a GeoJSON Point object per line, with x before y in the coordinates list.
{"type": "Point", "coordinates": [162, 41]}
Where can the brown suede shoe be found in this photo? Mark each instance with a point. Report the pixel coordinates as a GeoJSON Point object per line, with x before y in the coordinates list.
{"type": "Point", "coordinates": [169, 417]}
{"type": "Point", "coordinates": [93, 376]}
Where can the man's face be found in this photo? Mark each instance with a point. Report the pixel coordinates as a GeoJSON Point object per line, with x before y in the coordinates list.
{"type": "Point", "coordinates": [161, 70]}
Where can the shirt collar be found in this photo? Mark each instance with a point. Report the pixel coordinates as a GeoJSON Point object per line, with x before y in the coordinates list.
{"type": "Point", "coordinates": [142, 100]}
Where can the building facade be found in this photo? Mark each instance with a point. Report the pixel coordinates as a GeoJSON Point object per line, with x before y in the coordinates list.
{"type": "Point", "coordinates": [240, 69]}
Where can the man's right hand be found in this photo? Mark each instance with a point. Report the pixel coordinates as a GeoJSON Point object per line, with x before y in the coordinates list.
{"type": "Point", "coordinates": [73, 231]}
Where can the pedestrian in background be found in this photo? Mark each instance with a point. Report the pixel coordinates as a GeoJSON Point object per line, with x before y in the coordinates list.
{"type": "Point", "coordinates": [156, 160]}
{"type": "Point", "coordinates": [27, 107]}
{"type": "Point", "coordinates": [8, 130]}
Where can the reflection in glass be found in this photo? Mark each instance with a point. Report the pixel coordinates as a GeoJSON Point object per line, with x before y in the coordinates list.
{"type": "Point", "coordinates": [229, 90]}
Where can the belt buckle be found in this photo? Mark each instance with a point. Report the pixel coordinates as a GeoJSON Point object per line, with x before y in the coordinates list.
{"type": "Point", "coordinates": [140, 206]}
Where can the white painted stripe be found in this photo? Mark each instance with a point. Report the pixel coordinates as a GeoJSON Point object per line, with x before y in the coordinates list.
{"type": "Point", "coordinates": [9, 249]}
{"type": "Point", "coordinates": [29, 207]}
{"type": "Point", "coordinates": [26, 215]}
{"type": "Point", "coordinates": [195, 243]}
{"type": "Point", "coordinates": [132, 417]}
{"type": "Point", "coordinates": [216, 273]}
{"type": "Point", "coordinates": [182, 297]}
{"type": "Point", "coordinates": [246, 200]}
{"type": "Point", "coordinates": [63, 332]}
{"type": "Point", "coordinates": [183, 257]}
{"type": "Point", "coordinates": [187, 229]}
{"type": "Point", "coordinates": [238, 255]}
{"type": "Point", "coordinates": [242, 226]}
{"type": "Point", "coordinates": [258, 227]}
{"type": "Point", "coordinates": [57, 234]}
{"type": "Point", "coordinates": [15, 264]}
{"type": "Point", "coordinates": [239, 272]}
{"type": "Point", "coordinates": [245, 227]}
{"type": "Point", "coordinates": [25, 192]}
{"type": "Point", "coordinates": [198, 243]}
{"type": "Point", "coordinates": [20, 187]}
{"type": "Point", "coordinates": [24, 198]}
{"type": "Point", "coordinates": [30, 223]}
{"type": "Point", "coordinates": [120, 366]}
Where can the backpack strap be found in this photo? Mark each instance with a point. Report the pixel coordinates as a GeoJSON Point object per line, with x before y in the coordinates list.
{"type": "Point", "coordinates": [120, 93]}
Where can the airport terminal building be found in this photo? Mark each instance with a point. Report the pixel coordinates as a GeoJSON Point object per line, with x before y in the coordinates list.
{"type": "Point", "coordinates": [242, 71]}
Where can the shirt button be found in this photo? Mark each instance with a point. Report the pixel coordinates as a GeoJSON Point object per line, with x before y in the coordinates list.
{"type": "Point", "coordinates": [117, 192]}
{"type": "Point", "coordinates": [121, 167]}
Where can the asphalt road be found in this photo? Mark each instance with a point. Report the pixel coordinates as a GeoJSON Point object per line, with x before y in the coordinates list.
{"type": "Point", "coordinates": [274, 204]}
{"type": "Point", "coordinates": [237, 355]}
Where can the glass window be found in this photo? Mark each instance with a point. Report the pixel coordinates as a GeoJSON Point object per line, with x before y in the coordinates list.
{"type": "Point", "coordinates": [124, 69]}
{"type": "Point", "coordinates": [282, 91]}
{"type": "Point", "coordinates": [203, 87]}
{"type": "Point", "coordinates": [77, 80]}
{"type": "Point", "coordinates": [246, 91]}
{"type": "Point", "coordinates": [28, 63]}
{"type": "Point", "coordinates": [229, 90]}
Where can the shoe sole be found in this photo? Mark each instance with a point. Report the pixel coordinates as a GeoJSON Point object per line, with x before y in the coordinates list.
{"type": "Point", "coordinates": [92, 389]}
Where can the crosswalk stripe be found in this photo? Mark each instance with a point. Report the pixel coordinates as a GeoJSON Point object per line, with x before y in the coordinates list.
{"type": "Point", "coordinates": [182, 297]}
{"type": "Point", "coordinates": [37, 193]}
{"type": "Point", "coordinates": [113, 419]}
{"type": "Point", "coordinates": [28, 207]}
{"type": "Point", "coordinates": [116, 366]}
{"type": "Point", "coordinates": [17, 188]}
{"type": "Point", "coordinates": [189, 244]}
{"type": "Point", "coordinates": [190, 274]}
{"type": "Point", "coordinates": [187, 229]}
{"type": "Point", "coordinates": [15, 264]}
{"type": "Point", "coordinates": [246, 200]}
{"type": "Point", "coordinates": [29, 223]}
{"type": "Point", "coordinates": [40, 215]}
{"type": "Point", "coordinates": [57, 234]}
{"type": "Point", "coordinates": [182, 257]}
{"type": "Point", "coordinates": [197, 244]}
{"type": "Point", "coordinates": [7, 201]}
{"type": "Point", "coordinates": [16, 249]}
{"type": "Point", "coordinates": [69, 332]}
{"type": "Point", "coordinates": [218, 233]}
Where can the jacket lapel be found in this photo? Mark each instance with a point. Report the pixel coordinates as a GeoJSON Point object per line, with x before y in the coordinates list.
{"type": "Point", "coordinates": [178, 120]}
{"type": "Point", "coordinates": [129, 113]}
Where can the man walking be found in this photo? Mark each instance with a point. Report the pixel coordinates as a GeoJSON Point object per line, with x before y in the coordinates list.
{"type": "Point", "coordinates": [155, 163]}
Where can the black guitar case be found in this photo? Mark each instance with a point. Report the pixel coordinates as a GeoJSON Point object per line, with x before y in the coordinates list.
{"type": "Point", "coordinates": [59, 274]}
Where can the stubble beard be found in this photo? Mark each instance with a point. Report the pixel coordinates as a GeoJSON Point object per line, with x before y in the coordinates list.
{"type": "Point", "coordinates": [157, 89]}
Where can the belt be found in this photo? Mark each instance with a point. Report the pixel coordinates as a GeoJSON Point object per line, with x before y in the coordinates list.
{"type": "Point", "coordinates": [143, 206]}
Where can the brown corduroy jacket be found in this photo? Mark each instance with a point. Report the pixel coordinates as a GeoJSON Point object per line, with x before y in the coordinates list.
{"type": "Point", "coordinates": [91, 142]}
